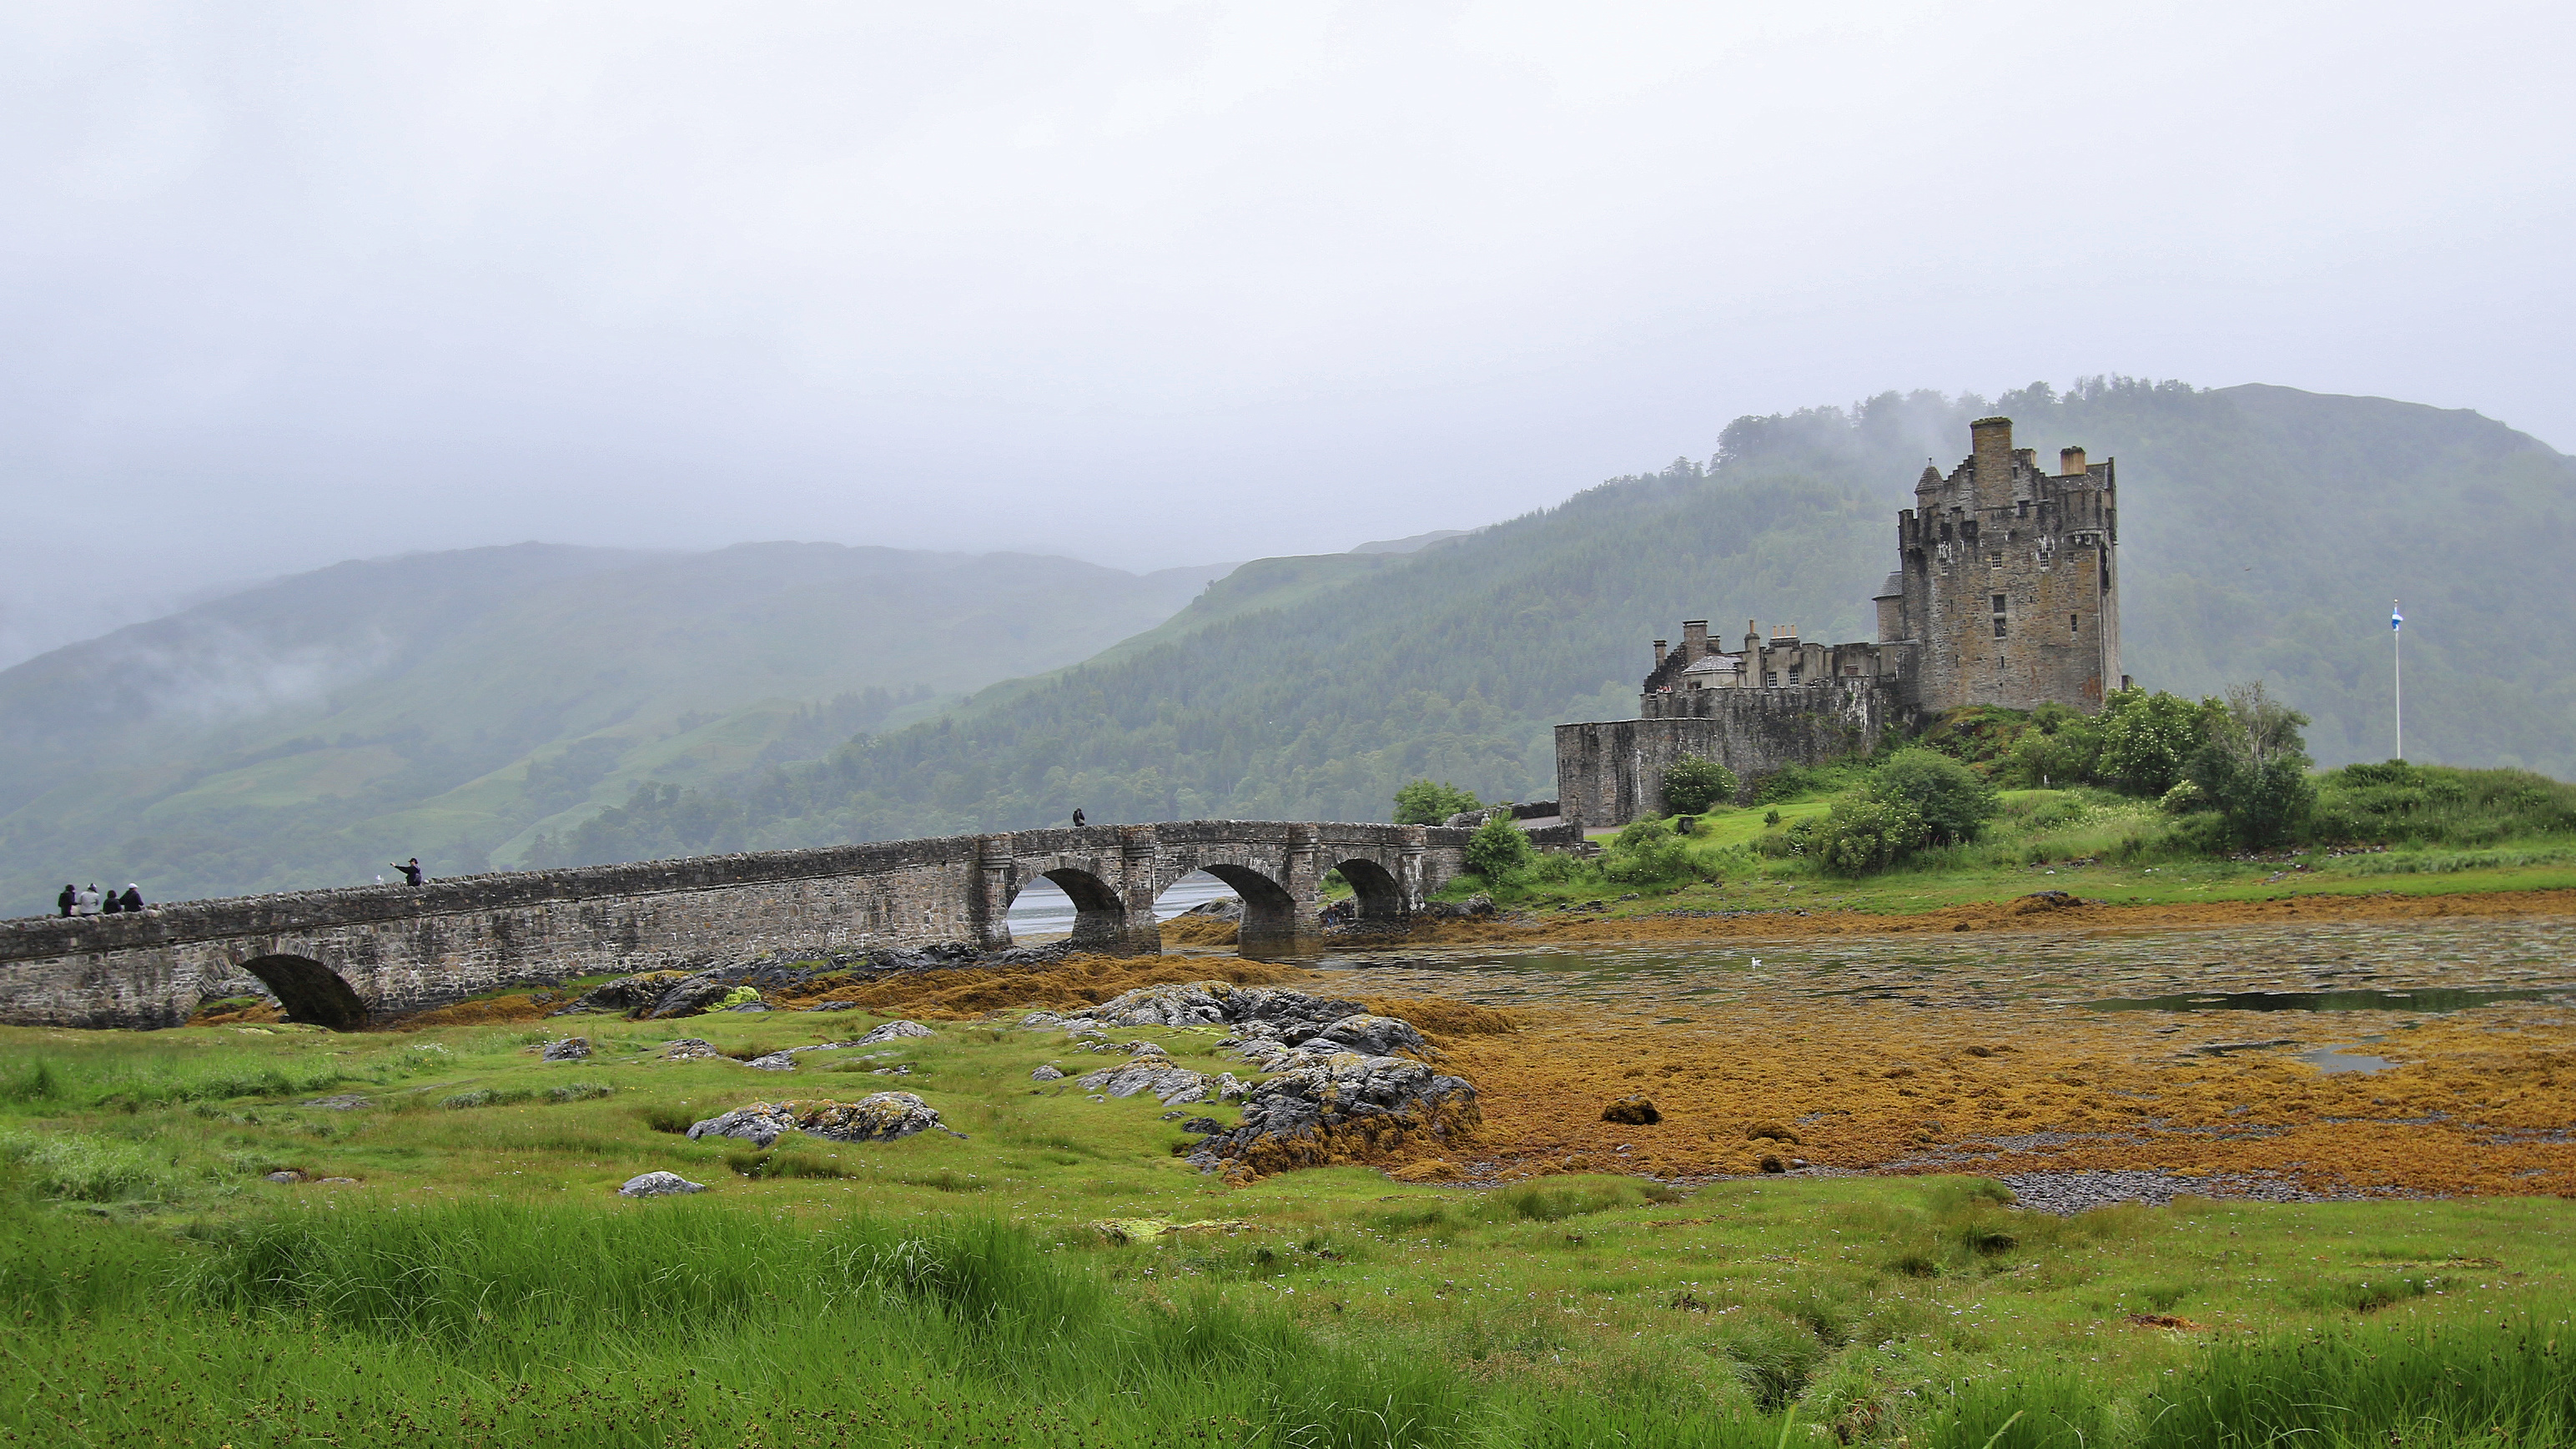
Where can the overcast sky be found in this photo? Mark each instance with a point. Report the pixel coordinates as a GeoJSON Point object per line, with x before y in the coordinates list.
{"type": "Point", "coordinates": [1171, 283]}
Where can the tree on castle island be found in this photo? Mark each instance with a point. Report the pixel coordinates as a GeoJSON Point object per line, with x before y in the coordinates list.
{"type": "Point", "coordinates": [1430, 802]}
{"type": "Point", "coordinates": [1692, 785]}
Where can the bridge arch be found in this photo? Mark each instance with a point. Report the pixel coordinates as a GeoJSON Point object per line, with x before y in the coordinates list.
{"type": "Point", "coordinates": [310, 991]}
{"type": "Point", "coordinates": [1099, 916]}
{"type": "Point", "coordinates": [1377, 893]}
{"type": "Point", "coordinates": [1270, 921]}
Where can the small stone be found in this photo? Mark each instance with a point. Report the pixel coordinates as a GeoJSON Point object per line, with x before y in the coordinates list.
{"type": "Point", "coordinates": [893, 1030]}
{"type": "Point", "coordinates": [288, 1175]}
{"type": "Point", "coordinates": [570, 1049]}
{"type": "Point", "coordinates": [658, 1184]}
{"type": "Point", "coordinates": [774, 1062]}
{"type": "Point", "coordinates": [749, 1006]}
{"type": "Point", "coordinates": [1203, 1125]}
{"type": "Point", "coordinates": [1048, 1073]}
{"type": "Point", "coordinates": [1632, 1112]}
{"type": "Point", "coordinates": [689, 1049]}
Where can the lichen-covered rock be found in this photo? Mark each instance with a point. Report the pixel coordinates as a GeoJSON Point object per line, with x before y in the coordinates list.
{"type": "Point", "coordinates": [1170, 1085]}
{"type": "Point", "coordinates": [1343, 1108]}
{"type": "Point", "coordinates": [690, 1049]}
{"type": "Point", "coordinates": [759, 1124]}
{"type": "Point", "coordinates": [893, 1031]}
{"type": "Point", "coordinates": [774, 1062]}
{"type": "Point", "coordinates": [1371, 1036]}
{"type": "Point", "coordinates": [1218, 1003]}
{"type": "Point", "coordinates": [658, 1184]}
{"type": "Point", "coordinates": [570, 1049]}
{"type": "Point", "coordinates": [879, 1118]}
{"type": "Point", "coordinates": [1048, 1073]}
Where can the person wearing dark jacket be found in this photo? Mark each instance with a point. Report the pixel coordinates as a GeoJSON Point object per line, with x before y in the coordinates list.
{"type": "Point", "coordinates": [133, 898]}
{"type": "Point", "coordinates": [410, 871]}
{"type": "Point", "coordinates": [1077, 819]}
{"type": "Point", "coordinates": [110, 905]}
{"type": "Point", "coordinates": [65, 901]}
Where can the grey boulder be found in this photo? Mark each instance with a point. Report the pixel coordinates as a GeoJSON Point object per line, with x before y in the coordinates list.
{"type": "Point", "coordinates": [658, 1184]}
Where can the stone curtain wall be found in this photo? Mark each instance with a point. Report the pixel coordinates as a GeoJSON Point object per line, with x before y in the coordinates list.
{"type": "Point", "coordinates": [400, 949]}
{"type": "Point", "coordinates": [1611, 772]}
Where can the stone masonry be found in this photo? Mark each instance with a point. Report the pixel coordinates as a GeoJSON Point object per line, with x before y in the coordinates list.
{"type": "Point", "coordinates": [2006, 593]}
{"type": "Point", "coordinates": [342, 957]}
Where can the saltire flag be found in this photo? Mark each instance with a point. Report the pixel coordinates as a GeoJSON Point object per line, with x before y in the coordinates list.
{"type": "Point", "coordinates": [2396, 620]}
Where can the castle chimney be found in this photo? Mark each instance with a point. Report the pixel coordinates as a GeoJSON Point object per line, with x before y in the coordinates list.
{"type": "Point", "coordinates": [1993, 450]}
{"type": "Point", "coordinates": [1694, 640]}
{"type": "Point", "coordinates": [1659, 654]}
{"type": "Point", "coordinates": [2070, 461]}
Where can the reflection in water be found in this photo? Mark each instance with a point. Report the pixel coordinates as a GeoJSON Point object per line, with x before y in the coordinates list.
{"type": "Point", "coordinates": [2431, 998]}
{"type": "Point", "coordinates": [1043, 909]}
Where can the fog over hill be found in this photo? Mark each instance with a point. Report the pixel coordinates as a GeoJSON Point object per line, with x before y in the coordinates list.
{"type": "Point", "coordinates": [545, 704]}
{"type": "Point", "coordinates": [309, 730]}
{"type": "Point", "coordinates": [2264, 530]}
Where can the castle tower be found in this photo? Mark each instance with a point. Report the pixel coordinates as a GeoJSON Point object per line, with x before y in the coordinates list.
{"type": "Point", "coordinates": [2007, 582]}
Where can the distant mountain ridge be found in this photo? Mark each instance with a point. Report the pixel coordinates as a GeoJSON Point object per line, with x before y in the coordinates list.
{"type": "Point", "coordinates": [450, 704]}
{"type": "Point", "coordinates": [2263, 528]}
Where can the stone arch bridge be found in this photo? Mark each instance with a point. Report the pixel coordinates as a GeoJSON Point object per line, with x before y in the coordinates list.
{"type": "Point", "coordinates": [342, 957]}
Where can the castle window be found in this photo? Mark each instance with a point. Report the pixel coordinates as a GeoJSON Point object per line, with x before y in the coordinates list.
{"type": "Point", "coordinates": [2021, 508]}
{"type": "Point", "coordinates": [1945, 531]}
{"type": "Point", "coordinates": [1999, 603]}
{"type": "Point", "coordinates": [1771, 679]}
{"type": "Point", "coordinates": [2070, 625]}
{"type": "Point", "coordinates": [1999, 626]}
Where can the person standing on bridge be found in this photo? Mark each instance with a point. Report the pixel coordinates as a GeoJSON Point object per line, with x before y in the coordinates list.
{"type": "Point", "coordinates": [68, 899]}
{"type": "Point", "coordinates": [411, 871]}
{"type": "Point", "coordinates": [1077, 817]}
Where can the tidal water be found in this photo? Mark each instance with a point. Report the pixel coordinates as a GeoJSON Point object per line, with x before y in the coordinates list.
{"type": "Point", "coordinates": [2370, 972]}
{"type": "Point", "coordinates": [1043, 910]}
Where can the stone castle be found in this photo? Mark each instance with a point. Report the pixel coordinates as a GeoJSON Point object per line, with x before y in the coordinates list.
{"type": "Point", "coordinates": [1990, 560]}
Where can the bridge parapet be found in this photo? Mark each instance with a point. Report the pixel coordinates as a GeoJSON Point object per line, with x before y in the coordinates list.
{"type": "Point", "coordinates": [341, 956]}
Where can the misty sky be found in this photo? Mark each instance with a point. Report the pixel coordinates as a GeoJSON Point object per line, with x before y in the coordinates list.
{"type": "Point", "coordinates": [1176, 282]}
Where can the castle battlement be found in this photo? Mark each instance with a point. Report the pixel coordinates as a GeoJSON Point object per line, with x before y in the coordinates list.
{"type": "Point", "coordinates": [2006, 592]}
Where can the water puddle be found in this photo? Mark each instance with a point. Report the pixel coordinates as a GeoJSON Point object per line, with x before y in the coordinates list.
{"type": "Point", "coordinates": [2334, 1061]}
{"type": "Point", "coordinates": [2421, 999]}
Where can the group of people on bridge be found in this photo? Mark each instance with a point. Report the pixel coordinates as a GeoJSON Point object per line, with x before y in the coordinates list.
{"type": "Point", "coordinates": [89, 901]}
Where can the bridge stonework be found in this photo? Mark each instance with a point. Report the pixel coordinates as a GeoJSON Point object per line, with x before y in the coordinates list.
{"type": "Point", "coordinates": [342, 957]}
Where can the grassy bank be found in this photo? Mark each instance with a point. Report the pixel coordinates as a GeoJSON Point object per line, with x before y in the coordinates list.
{"type": "Point", "coordinates": [1057, 1275]}
{"type": "Point", "coordinates": [2438, 832]}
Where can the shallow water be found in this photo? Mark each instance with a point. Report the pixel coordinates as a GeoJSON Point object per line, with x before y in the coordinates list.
{"type": "Point", "coordinates": [2400, 969]}
{"type": "Point", "coordinates": [1042, 911]}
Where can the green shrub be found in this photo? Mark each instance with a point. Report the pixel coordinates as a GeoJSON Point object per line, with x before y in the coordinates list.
{"type": "Point", "coordinates": [1861, 835]}
{"type": "Point", "coordinates": [2398, 803]}
{"type": "Point", "coordinates": [1647, 852]}
{"type": "Point", "coordinates": [2148, 740]}
{"type": "Point", "coordinates": [1428, 802]}
{"type": "Point", "coordinates": [1692, 785]}
{"type": "Point", "coordinates": [2254, 769]}
{"type": "Point", "coordinates": [1498, 849]}
{"type": "Point", "coordinates": [1951, 801]}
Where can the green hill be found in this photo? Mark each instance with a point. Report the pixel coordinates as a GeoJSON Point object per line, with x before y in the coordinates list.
{"type": "Point", "coordinates": [451, 704]}
{"type": "Point", "coordinates": [2263, 531]}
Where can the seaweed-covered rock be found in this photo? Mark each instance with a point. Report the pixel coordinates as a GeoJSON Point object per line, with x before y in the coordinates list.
{"type": "Point", "coordinates": [893, 1031]}
{"type": "Point", "coordinates": [1168, 1084]}
{"type": "Point", "coordinates": [658, 1184]}
{"type": "Point", "coordinates": [1632, 1112]}
{"type": "Point", "coordinates": [625, 994]}
{"type": "Point", "coordinates": [1340, 1108]}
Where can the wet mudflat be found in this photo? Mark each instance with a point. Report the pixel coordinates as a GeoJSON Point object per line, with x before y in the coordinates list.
{"type": "Point", "coordinates": [2317, 1058]}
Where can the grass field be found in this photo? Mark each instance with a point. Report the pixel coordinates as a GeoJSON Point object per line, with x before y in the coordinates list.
{"type": "Point", "coordinates": [2087, 842]}
{"type": "Point", "coordinates": [1058, 1276]}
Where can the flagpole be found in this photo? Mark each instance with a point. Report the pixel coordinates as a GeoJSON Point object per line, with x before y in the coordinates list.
{"type": "Point", "coordinates": [2397, 663]}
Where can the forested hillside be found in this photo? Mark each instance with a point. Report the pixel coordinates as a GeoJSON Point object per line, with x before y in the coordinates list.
{"type": "Point", "coordinates": [449, 705]}
{"type": "Point", "coordinates": [2263, 531]}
